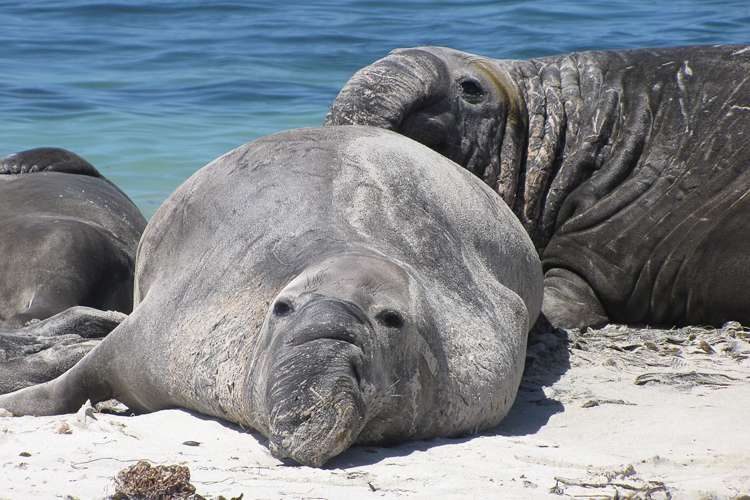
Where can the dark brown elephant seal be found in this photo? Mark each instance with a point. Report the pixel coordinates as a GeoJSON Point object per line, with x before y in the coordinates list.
{"type": "Point", "coordinates": [630, 169]}
{"type": "Point", "coordinates": [325, 287]}
{"type": "Point", "coordinates": [68, 238]}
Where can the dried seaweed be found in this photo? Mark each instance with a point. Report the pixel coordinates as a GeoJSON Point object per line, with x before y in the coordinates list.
{"type": "Point", "coordinates": [144, 481]}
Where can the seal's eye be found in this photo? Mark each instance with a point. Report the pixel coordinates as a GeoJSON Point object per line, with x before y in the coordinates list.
{"type": "Point", "coordinates": [471, 91]}
{"type": "Point", "coordinates": [282, 307]}
{"type": "Point", "coordinates": [390, 318]}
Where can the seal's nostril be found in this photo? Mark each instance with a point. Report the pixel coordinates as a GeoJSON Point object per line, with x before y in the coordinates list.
{"type": "Point", "coordinates": [390, 318]}
{"type": "Point", "coordinates": [282, 307]}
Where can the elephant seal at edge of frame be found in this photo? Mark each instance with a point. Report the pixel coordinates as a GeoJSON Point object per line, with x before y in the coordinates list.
{"type": "Point", "coordinates": [68, 240]}
{"type": "Point", "coordinates": [628, 168]}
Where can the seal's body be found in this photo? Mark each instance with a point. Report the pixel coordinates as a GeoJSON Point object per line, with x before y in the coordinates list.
{"type": "Point", "coordinates": [325, 287]}
{"type": "Point", "coordinates": [629, 169]}
{"type": "Point", "coordinates": [68, 239]}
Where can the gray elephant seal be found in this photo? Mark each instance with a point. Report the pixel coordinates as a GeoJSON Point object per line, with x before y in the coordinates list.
{"type": "Point", "coordinates": [629, 169]}
{"type": "Point", "coordinates": [325, 287]}
{"type": "Point", "coordinates": [68, 238]}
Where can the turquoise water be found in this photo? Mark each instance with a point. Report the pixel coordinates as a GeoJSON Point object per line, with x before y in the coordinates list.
{"type": "Point", "coordinates": [151, 91]}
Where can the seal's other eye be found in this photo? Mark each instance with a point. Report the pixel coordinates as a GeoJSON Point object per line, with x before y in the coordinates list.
{"type": "Point", "coordinates": [390, 318]}
{"type": "Point", "coordinates": [282, 307]}
{"type": "Point", "coordinates": [471, 91]}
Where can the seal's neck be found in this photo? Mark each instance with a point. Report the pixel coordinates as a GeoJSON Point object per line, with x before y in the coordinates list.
{"type": "Point", "coordinates": [567, 136]}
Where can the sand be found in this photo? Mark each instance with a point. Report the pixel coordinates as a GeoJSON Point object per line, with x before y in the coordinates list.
{"type": "Point", "coordinates": [616, 411]}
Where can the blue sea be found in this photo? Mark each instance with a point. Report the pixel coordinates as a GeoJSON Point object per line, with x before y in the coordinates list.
{"type": "Point", "coordinates": [150, 91]}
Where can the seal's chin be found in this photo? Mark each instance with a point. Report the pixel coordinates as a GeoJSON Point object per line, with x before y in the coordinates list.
{"type": "Point", "coordinates": [314, 427]}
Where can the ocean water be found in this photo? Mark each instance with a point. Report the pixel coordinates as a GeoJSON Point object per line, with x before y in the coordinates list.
{"type": "Point", "coordinates": [150, 91]}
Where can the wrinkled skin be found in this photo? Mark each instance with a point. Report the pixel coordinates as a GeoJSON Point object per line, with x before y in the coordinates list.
{"type": "Point", "coordinates": [68, 239]}
{"type": "Point", "coordinates": [629, 169]}
{"type": "Point", "coordinates": [326, 287]}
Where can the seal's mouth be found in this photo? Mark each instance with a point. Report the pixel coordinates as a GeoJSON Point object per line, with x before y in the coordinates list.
{"type": "Point", "coordinates": [320, 428]}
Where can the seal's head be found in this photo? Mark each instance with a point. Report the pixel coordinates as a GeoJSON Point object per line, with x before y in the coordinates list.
{"type": "Point", "coordinates": [467, 108]}
{"type": "Point", "coordinates": [388, 274]}
{"type": "Point", "coordinates": [344, 345]}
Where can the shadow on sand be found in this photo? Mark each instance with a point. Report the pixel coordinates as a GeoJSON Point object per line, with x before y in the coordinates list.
{"type": "Point", "coordinates": [547, 359]}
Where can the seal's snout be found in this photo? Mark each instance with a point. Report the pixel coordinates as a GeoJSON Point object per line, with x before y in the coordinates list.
{"type": "Point", "coordinates": [315, 398]}
{"type": "Point", "coordinates": [329, 319]}
{"type": "Point", "coordinates": [317, 423]}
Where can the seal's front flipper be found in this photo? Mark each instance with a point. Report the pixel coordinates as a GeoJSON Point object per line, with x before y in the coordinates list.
{"type": "Point", "coordinates": [64, 394]}
{"type": "Point", "coordinates": [570, 302]}
{"type": "Point", "coordinates": [87, 379]}
{"type": "Point", "coordinates": [47, 160]}
{"type": "Point", "coordinates": [43, 365]}
{"type": "Point", "coordinates": [83, 321]}
{"type": "Point", "coordinates": [45, 349]}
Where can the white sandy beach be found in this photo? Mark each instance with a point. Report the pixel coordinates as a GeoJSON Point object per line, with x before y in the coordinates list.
{"type": "Point", "coordinates": [581, 427]}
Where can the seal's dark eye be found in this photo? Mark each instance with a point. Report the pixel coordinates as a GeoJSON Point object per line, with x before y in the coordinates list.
{"type": "Point", "coordinates": [390, 318]}
{"type": "Point", "coordinates": [471, 91]}
{"type": "Point", "coordinates": [282, 307]}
